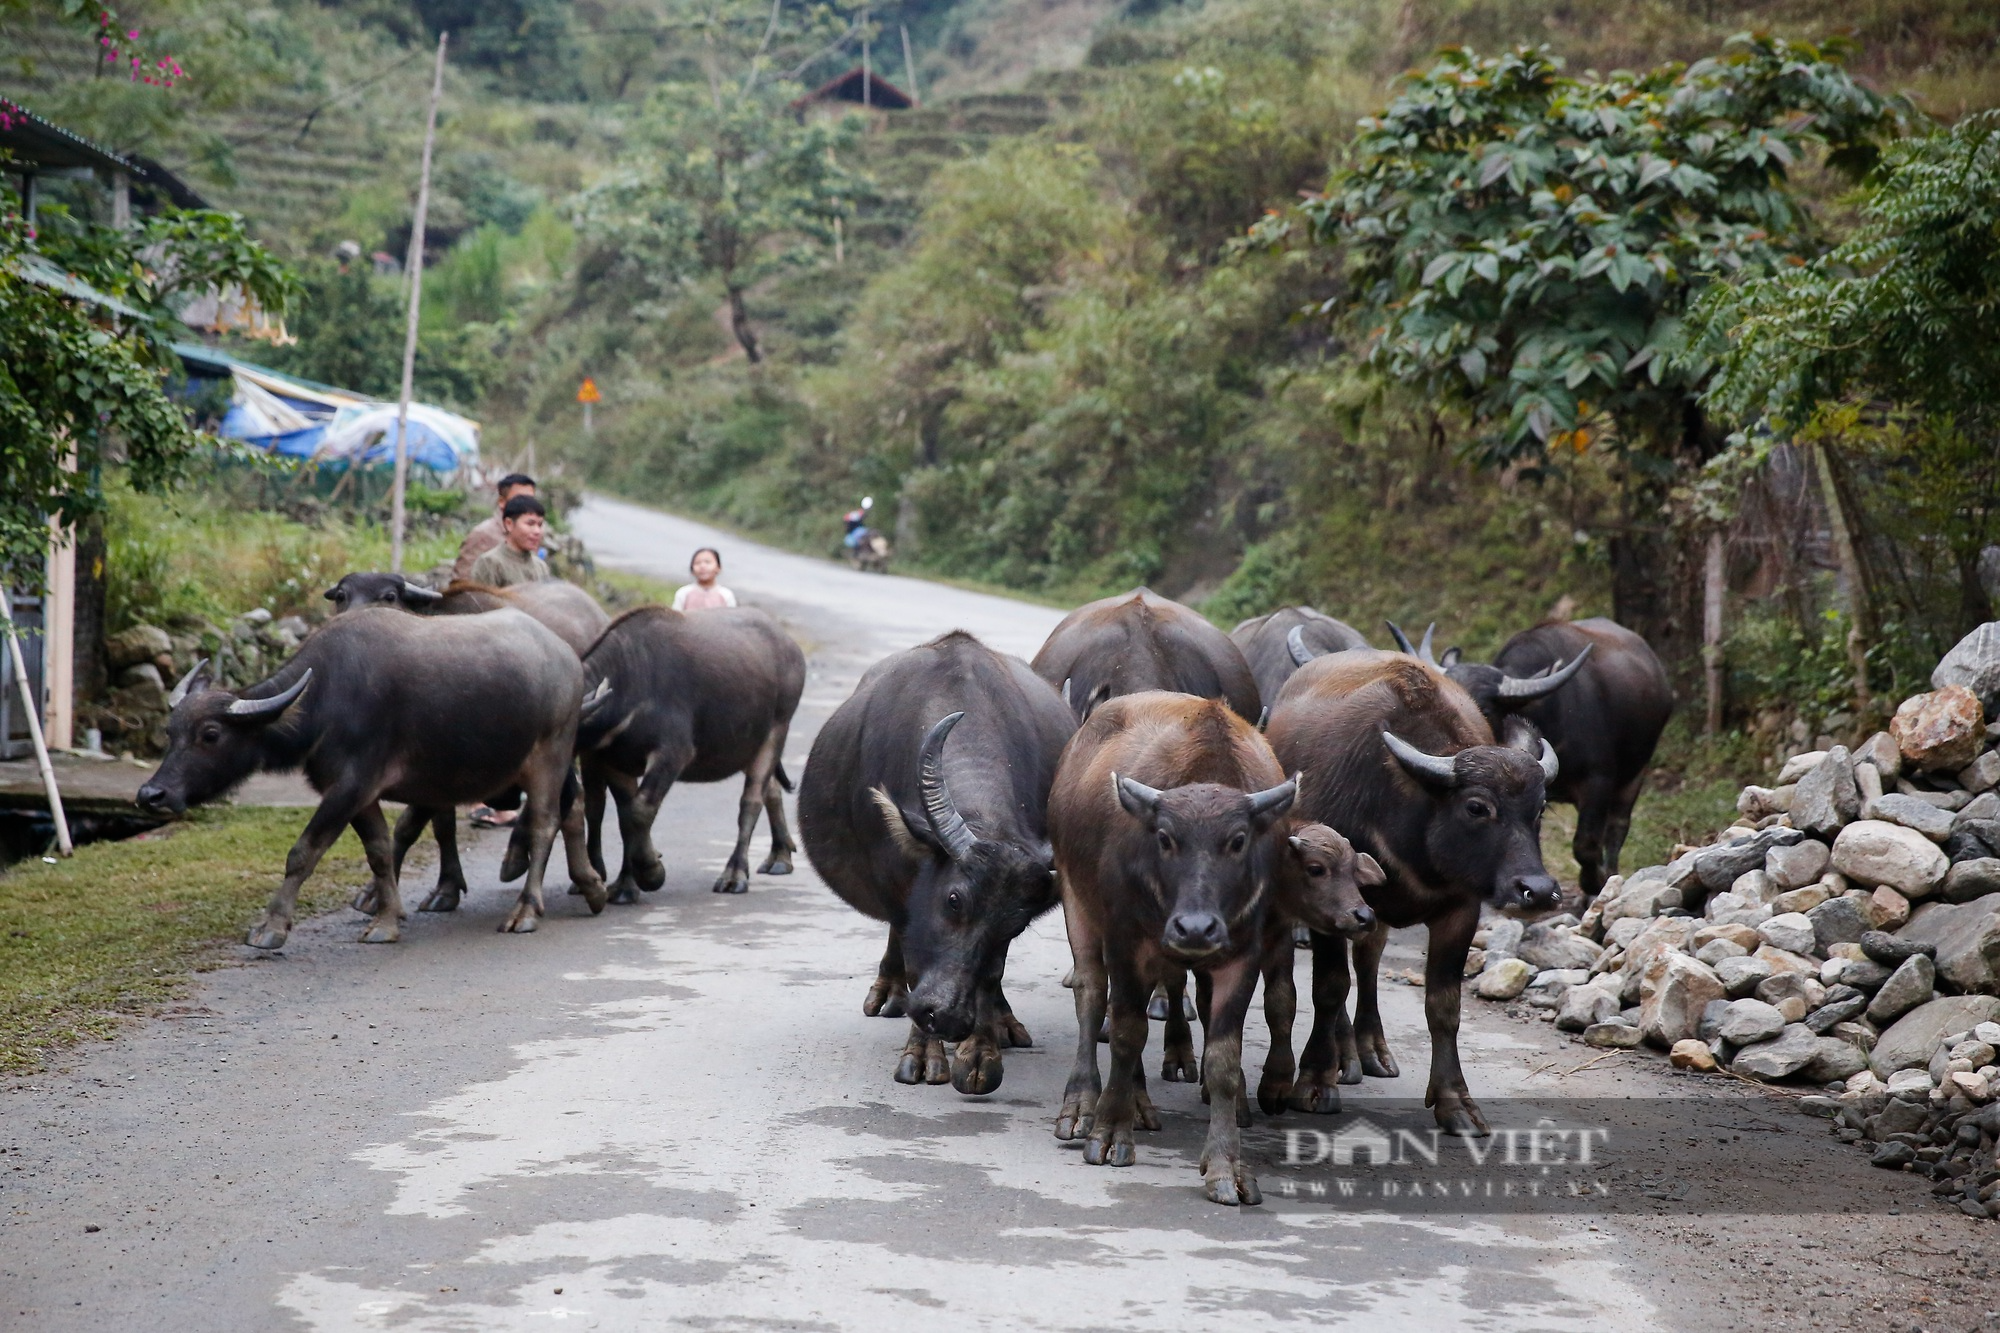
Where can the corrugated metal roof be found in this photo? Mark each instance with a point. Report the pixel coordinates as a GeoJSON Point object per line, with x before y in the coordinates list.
{"type": "Point", "coordinates": [38, 270]}
{"type": "Point", "coordinates": [44, 143]}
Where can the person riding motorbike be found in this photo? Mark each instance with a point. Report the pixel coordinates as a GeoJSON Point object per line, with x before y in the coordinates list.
{"type": "Point", "coordinates": [856, 521]}
{"type": "Point", "coordinates": [865, 547]}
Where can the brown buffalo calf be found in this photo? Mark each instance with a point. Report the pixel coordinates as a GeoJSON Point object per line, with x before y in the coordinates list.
{"type": "Point", "coordinates": [1168, 820]}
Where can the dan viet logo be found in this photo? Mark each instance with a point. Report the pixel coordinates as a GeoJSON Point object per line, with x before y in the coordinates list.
{"type": "Point", "coordinates": [1374, 1164]}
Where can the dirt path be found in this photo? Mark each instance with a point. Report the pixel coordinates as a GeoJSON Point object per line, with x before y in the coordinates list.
{"type": "Point", "coordinates": [675, 1115]}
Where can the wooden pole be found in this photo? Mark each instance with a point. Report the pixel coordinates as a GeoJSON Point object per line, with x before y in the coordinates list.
{"type": "Point", "coordinates": [415, 269]}
{"type": "Point", "coordinates": [32, 708]}
{"type": "Point", "coordinates": [1711, 630]}
{"type": "Point", "coordinates": [867, 70]}
{"type": "Point", "coordinates": [909, 65]}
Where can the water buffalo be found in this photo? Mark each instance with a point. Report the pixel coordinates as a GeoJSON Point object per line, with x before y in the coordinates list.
{"type": "Point", "coordinates": [1274, 651]}
{"type": "Point", "coordinates": [1604, 727]}
{"type": "Point", "coordinates": [1168, 823]}
{"type": "Point", "coordinates": [1399, 759]}
{"type": "Point", "coordinates": [572, 614]}
{"type": "Point", "coordinates": [692, 698]}
{"type": "Point", "coordinates": [380, 705]}
{"type": "Point", "coordinates": [945, 842]}
{"type": "Point", "coordinates": [1142, 641]}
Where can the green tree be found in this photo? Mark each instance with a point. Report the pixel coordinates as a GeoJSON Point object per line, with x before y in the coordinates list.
{"type": "Point", "coordinates": [724, 180]}
{"type": "Point", "coordinates": [80, 383]}
{"type": "Point", "coordinates": [1524, 245]}
{"type": "Point", "coordinates": [1902, 312]}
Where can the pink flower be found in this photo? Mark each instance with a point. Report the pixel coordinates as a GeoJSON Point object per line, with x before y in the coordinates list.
{"type": "Point", "coordinates": [132, 36]}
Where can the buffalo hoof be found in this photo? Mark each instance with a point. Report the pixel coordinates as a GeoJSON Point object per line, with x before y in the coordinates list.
{"type": "Point", "coordinates": [522, 921]}
{"type": "Point", "coordinates": [1144, 1114]}
{"type": "Point", "coordinates": [909, 1069]}
{"type": "Point", "coordinates": [731, 881]}
{"type": "Point", "coordinates": [1074, 1120]}
{"type": "Point", "coordinates": [1378, 1064]}
{"type": "Point", "coordinates": [776, 864]}
{"type": "Point", "coordinates": [1350, 1071]}
{"type": "Point", "coordinates": [1314, 1098]}
{"type": "Point", "coordinates": [1156, 1008]}
{"type": "Point", "coordinates": [1273, 1094]}
{"type": "Point", "coordinates": [381, 931]}
{"type": "Point", "coordinates": [651, 874]}
{"type": "Point", "coordinates": [1461, 1118]}
{"type": "Point", "coordinates": [975, 1068]}
{"type": "Point", "coordinates": [937, 1063]}
{"type": "Point", "coordinates": [1235, 1187]}
{"type": "Point", "coordinates": [1110, 1147]}
{"type": "Point", "coordinates": [269, 934]}
{"type": "Point", "coordinates": [595, 895]}
{"type": "Point", "coordinates": [515, 863]}
{"type": "Point", "coordinates": [1069, 979]}
{"type": "Point", "coordinates": [1007, 1031]}
{"type": "Point", "coordinates": [444, 898]}
{"type": "Point", "coordinates": [885, 998]}
{"type": "Point", "coordinates": [365, 902]}
{"type": "Point", "coordinates": [624, 893]}
{"type": "Point", "coordinates": [1178, 1064]}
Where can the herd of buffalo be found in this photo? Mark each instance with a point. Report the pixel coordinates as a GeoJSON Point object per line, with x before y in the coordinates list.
{"type": "Point", "coordinates": [1198, 802]}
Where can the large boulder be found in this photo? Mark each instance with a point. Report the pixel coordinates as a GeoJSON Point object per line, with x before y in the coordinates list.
{"type": "Point", "coordinates": [1550, 948]}
{"type": "Point", "coordinates": [1675, 990]}
{"type": "Point", "coordinates": [1972, 879]}
{"type": "Point", "coordinates": [1796, 866]}
{"type": "Point", "coordinates": [1914, 1038]}
{"type": "Point", "coordinates": [1841, 920]}
{"type": "Point", "coordinates": [1974, 665]}
{"type": "Point", "coordinates": [1718, 867]}
{"type": "Point", "coordinates": [1967, 939]}
{"type": "Point", "coordinates": [1881, 753]}
{"type": "Point", "coordinates": [1912, 813]}
{"type": "Point", "coordinates": [1747, 1022]}
{"type": "Point", "coordinates": [1795, 1048]}
{"type": "Point", "coordinates": [1826, 799]}
{"type": "Point", "coordinates": [1872, 852]}
{"type": "Point", "coordinates": [1586, 1006]}
{"type": "Point", "coordinates": [1982, 774]}
{"type": "Point", "coordinates": [1907, 987]}
{"type": "Point", "coordinates": [1791, 931]}
{"type": "Point", "coordinates": [1504, 980]}
{"type": "Point", "coordinates": [1837, 1061]}
{"type": "Point", "coordinates": [1741, 976]}
{"type": "Point", "coordinates": [141, 643]}
{"type": "Point", "coordinates": [1942, 731]}
{"type": "Point", "coordinates": [1645, 894]}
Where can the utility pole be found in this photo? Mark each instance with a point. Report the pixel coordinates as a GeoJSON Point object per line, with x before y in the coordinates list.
{"type": "Point", "coordinates": [415, 269]}
{"type": "Point", "coordinates": [909, 65]}
{"type": "Point", "coordinates": [867, 70]}
{"type": "Point", "coordinates": [31, 710]}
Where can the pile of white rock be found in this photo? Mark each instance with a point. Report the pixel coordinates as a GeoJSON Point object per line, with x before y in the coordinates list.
{"type": "Point", "coordinates": [1845, 932]}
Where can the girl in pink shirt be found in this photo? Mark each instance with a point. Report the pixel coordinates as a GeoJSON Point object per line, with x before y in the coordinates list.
{"type": "Point", "coordinates": [704, 594]}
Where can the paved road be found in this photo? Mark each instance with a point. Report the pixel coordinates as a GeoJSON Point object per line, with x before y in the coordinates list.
{"type": "Point", "coordinates": [675, 1115]}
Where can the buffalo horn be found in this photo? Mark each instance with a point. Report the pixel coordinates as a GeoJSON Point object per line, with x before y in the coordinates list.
{"type": "Point", "coordinates": [940, 812]}
{"type": "Point", "coordinates": [1438, 769]}
{"type": "Point", "coordinates": [1403, 643]}
{"type": "Point", "coordinates": [1066, 703]}
{"type": "Point", "coordinates": [598, 694]}
{"type": "Point", "coordinates": [274, 705]}
{"type": "Point", "coordinates": [1517, 689]}
{"type": "Point", "coordinates": [1133, 794]}
{"type": "Point", "coordinates": [1424, 648]}
{"type": "Point", "coordinates": [181, 690]}
{"type": "Point", "coordinates": [1264, 718]}
{"type": "Point", "coordinates": [1276, 799]}
{"type": "Point", "coordinates": [414, 592]}
{"type": "Point", "coordinates": [1550, 766]}
{"type": "Point", "coordinates": [1296, 641]}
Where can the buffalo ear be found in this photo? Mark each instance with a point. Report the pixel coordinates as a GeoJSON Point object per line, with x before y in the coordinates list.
{"type": "Point", "coordinates": [1450, 658]}
{"type": "Point", "coordinates": [1518, 733]}
{"type": "Point", "coordinates": [1368, 871]}
{"type": "Point", "coordinates": [332, 594]}
{"type": "Point", "coordinates": [906, 828]}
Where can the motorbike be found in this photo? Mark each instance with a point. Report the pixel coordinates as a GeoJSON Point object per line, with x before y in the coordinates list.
{"type": "Point", "coordinates": [865, 548]}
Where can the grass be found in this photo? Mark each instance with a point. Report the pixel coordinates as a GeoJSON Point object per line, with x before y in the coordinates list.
{"type": "Point", "coordinates": [117, 930]}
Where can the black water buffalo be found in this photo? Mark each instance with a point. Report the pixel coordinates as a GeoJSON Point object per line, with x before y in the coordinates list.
{"type": "Point", "coordinates": [1142, 641]}
{"type": "Point", "coordinates": [922, 806]}
{"type": "Point", "coordinates": [380, 705]}
{"type": "Point", "coordinates": [1604, 727]}
{"type": "Point", "coordinates": [1274, 651]}
{"type": "Point", "coordinates": [691, 698]}
{"type": "Point", "coordinates": [1168, 819]}
{"type": "Point", "coordinates": [1599, 694]}
{"type": "Point", "coordinates": [572, 614]}
{"type": "Point", "coordinates": [1399, 759]}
